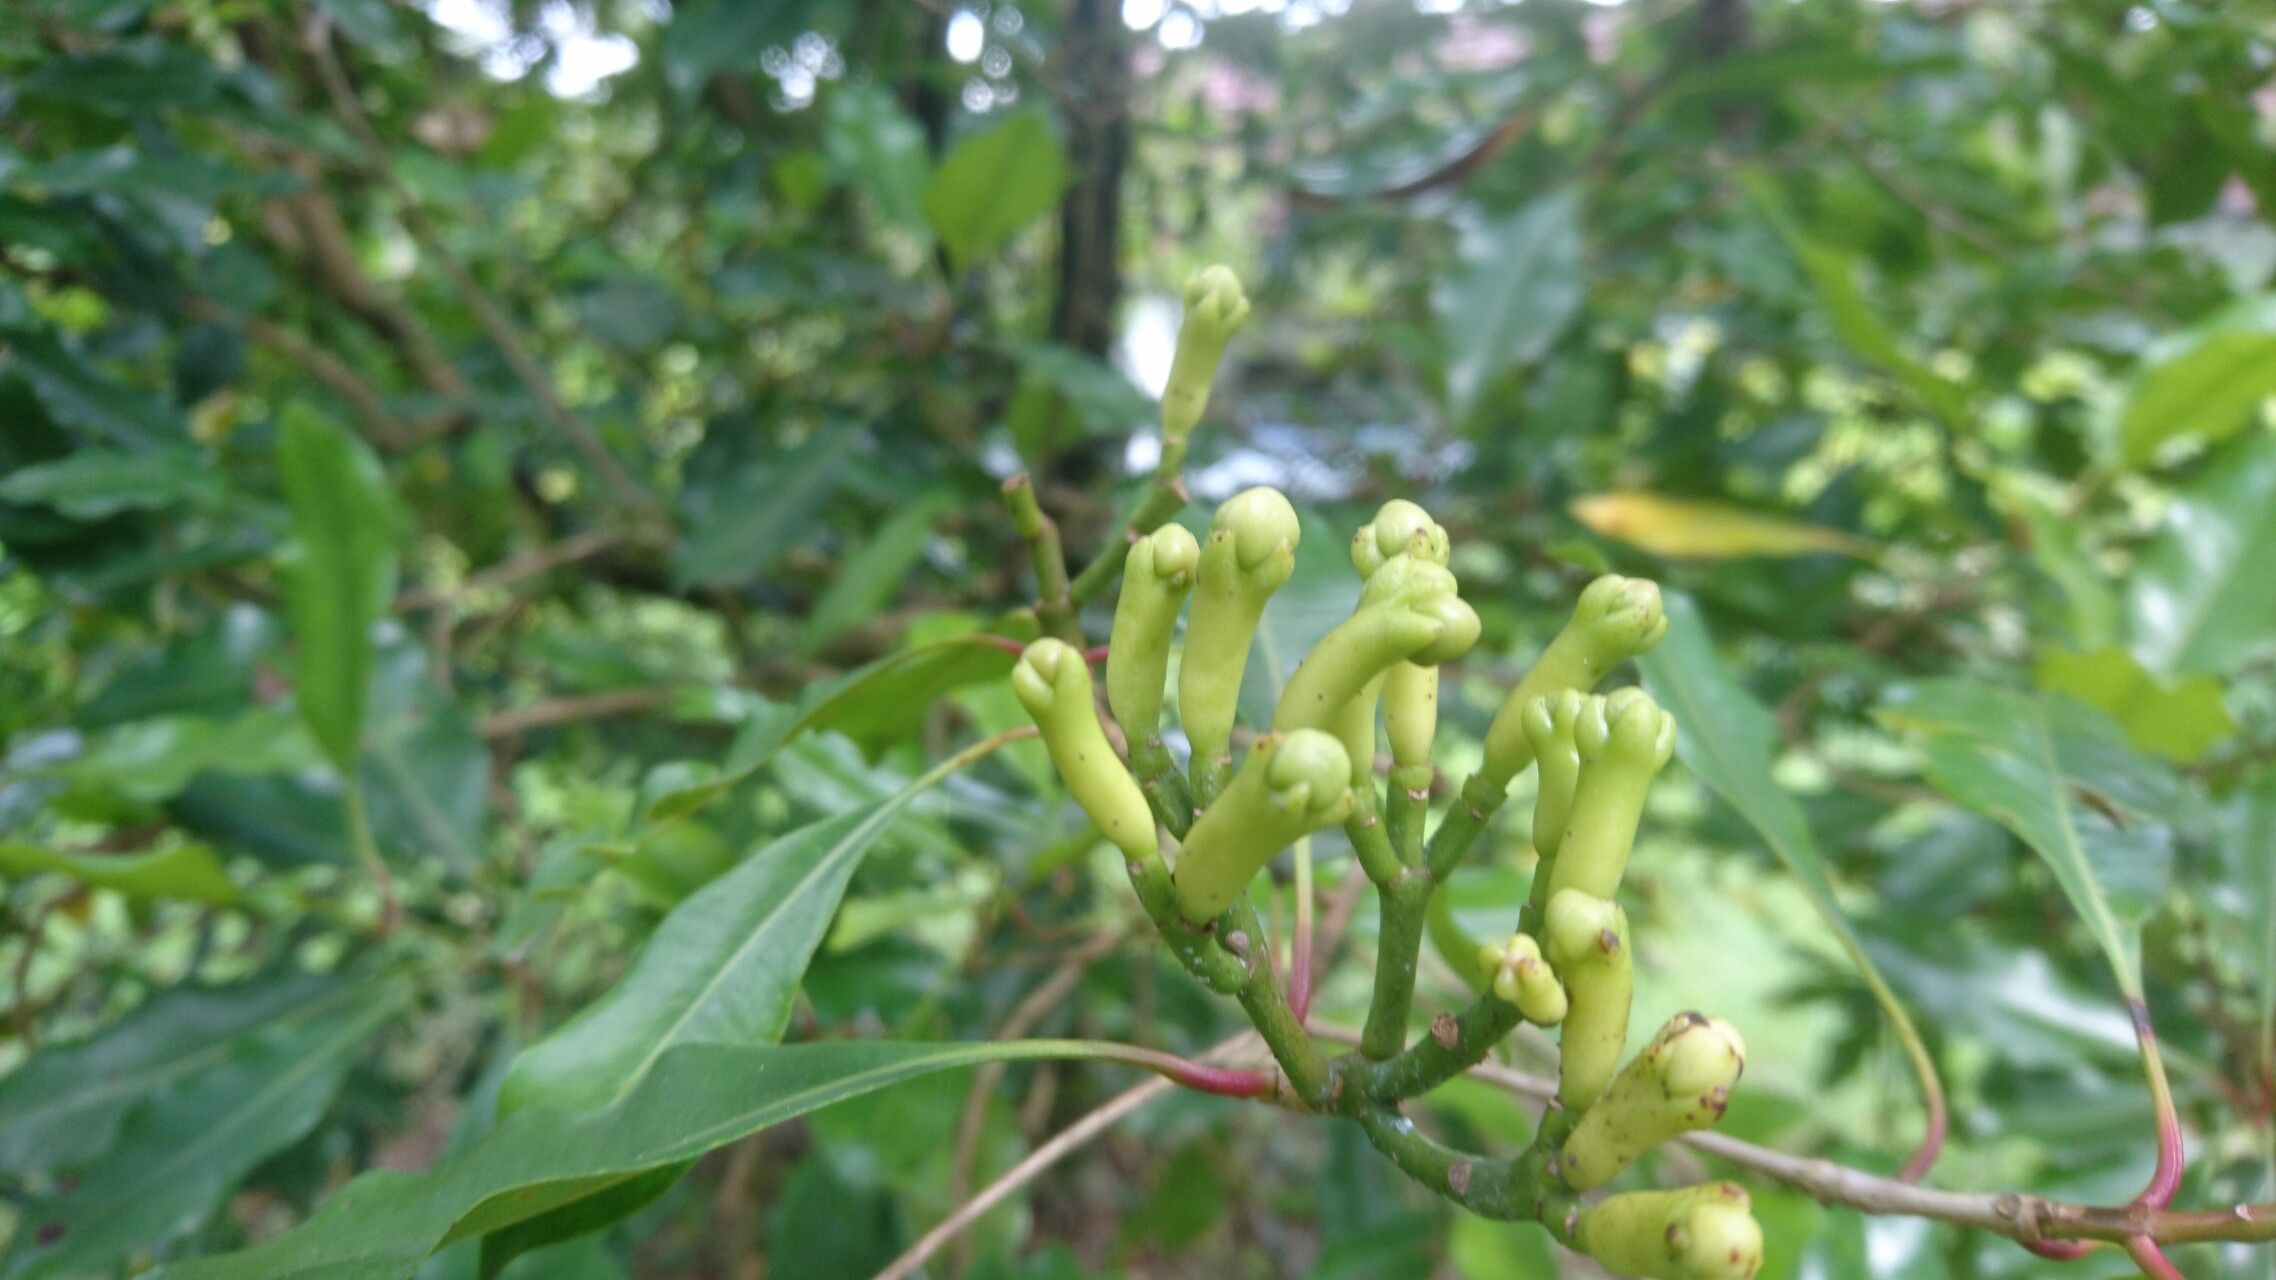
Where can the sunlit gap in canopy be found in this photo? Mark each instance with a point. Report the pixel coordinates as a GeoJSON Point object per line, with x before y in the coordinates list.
{"type": "Point", "coordinates": [583, 55]}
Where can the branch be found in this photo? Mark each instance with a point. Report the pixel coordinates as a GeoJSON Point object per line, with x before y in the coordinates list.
{"type": "Point", "coordinates": [1059, 1147]}
{"type": "Point", "coordinates": [2015, 1215]}
{"type": "Point", "coordinates": [487, 313]}
{"type": "Point", "coordinates": [505, 573]}
{"type": "Point", "coordinates": [577, 707]}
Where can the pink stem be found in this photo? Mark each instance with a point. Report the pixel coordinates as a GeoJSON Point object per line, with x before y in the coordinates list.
{"type": "Point", "coordinates": [2151, 1259]}
{"type": "Point", "coordinates": [1229, 1082]}
{"type": "Point", "coordinates": [1931, 1142]}
{"type": "Point", "coordinates": [2167, 1178]}
{"type": "Point", "coordinates": [1005, 643]}
{"type": "Point", "coordinates": [1095, 655]}
{"type": "Point", "coordinates": [2059, 1250]}
{"type": "Point", "coordinates": [1300, 967]}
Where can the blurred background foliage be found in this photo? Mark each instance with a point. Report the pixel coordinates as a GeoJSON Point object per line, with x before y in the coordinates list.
{"type": "Point", "coordinates": [438, 439]}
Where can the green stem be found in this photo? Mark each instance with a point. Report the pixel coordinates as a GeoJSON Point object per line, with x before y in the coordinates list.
{"type": "Point", "coordinates": [1369, 839]}
{"type": "Point", "coordinates": [1407, 810]}
{"type": "Point", "coordinates": [367, 854]}
{"type": "Point", "coordinates": [1307, 1069]}
{"type": "Point", "coordinates": [1054, 601]}
{"type": "Point", "coordinates": [1456, 1043]}
{"type": "Point", "coordinates": [1509, 1190]}
{"type": "Point", "coordinates": [1473, 807]}
{"type": "Point", "coordinates": [1164, 498]}
{"type": "Point", "coordinates": [1403, 908]}
{"type": "Point", "coordinates": [1164, 784]}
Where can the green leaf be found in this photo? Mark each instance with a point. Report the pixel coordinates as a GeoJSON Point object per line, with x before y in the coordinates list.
{"type": "Point", "coordinates": [723, 967]}
{"type": "Point", "coordinates": [201, 1115]}
{"type": "Point", "coordinates": [872, 144]}
{"type": "Point", "coordinates": [1730, 742]}
{"type": "Point", "coordinates": [1515, 287]}
{"type": "Point", "coordinates": [78, 395]}
{"type": "Point", "coordinates": [873, 705]}
{"type": "Point", "coordinates": [152, 761]}
{"type": "Point", "coordinates": [993, 183]}
{"type": "Point", "coordinates": [2178, 720]}
{"type": "Point", "coordinates": [184, 873]}
{"type": "Point", "coordinates": [2210, 390]}
{"type": "Point", "coordinates": [2060, 776]}
{"type": "Point", "coordinates": [2203, 598]}
{"type": "Point", "coordinates": [94, 484]}
{"type": "Point", "coordinates": [62, 1106]}
{"type": "Point", "coordinates": [746, 504]}
{"type": "Point", "coordinates": [1855, 319]}
{"type": "Point", "coordinates": [338, 584]}
{"type": "Point", "coordinates": [866, 582]}
{"type": "Point", "coordinates": [698, 1097]}
{"type": "Point", "coordinates": [2252, 837]}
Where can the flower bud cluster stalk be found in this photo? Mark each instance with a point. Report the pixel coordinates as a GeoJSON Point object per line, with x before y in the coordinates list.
{"type": "Point", "coordinates": [1196, 838]}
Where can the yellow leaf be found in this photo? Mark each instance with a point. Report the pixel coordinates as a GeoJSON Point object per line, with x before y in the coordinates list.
{"type": "Point", "coordinates": [1688, 527]}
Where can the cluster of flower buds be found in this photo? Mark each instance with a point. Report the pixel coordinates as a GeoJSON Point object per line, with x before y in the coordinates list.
{"type": "Point", "coordinates": [1195, 837]}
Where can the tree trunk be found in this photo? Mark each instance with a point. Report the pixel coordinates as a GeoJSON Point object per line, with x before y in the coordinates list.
{"type": "Point", "coordinates": [1097, 49]}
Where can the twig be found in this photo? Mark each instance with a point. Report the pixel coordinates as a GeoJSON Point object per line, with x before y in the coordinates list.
{"type": "Point", "coordinates": [575, 708]}
{"type": "Point", "coordinates": [505, 573]}
{"type": "Point", "coordinates": [1031, 1010]}
{"type": "Point", "coordinates": [487, 313]}
{"type": "Point", "coordinates": [1059, 1147]}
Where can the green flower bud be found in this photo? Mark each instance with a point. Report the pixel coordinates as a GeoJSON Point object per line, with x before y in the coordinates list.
{"type": "Point", "coordinates": [1410, 713]}
{"type": "Point", "coordinates": [1361, 648]}
{"type": "Point", "coordinates": [1215, 310]}
{"type": "Point", "coordinates": [1681, 1082]}
{"type": "Point", "coordinates": [1516, 972]}
{"type": "Point", "coordinates": [1399, 528]}
{"type": "Point", "coordinates": [1623, 740]}
{"type": "Point", "coordinates": [1707, 1232]}
{"type": "Point", "coordinates": [1616, 619]}
{"type": "Point", "coordinates": [1155, 581]}
{"type": "Point", "coordinates": [1290, 786]}
{"type": "Point", "coordinates": [1549, 729]}
{"type": "Point", "coordinates": [1586, 939]}
{"type": "Point", "coordinates": [1054, 684]}
{"type": "Point", "coordinates": [1250, 552]}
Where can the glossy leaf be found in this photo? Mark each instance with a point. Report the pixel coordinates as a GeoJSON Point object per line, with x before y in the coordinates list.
{"type": "Point", "coordinates": [1730, 741]}
{"type": "Point", "coordinates": [1687, 527]}
{"type": "Point", "coordinates": [699, 1097]}
{"type": "Point", "coordinates": [871, 705]}
{"type": "Point", "coordinates": [344, 520]}
{"type": "Point", "coordinates": [870, 577]}
{"type": "Point", "coordinates": [2179, 720]}
{"type": "Point", "coordinates": [722, 968]}
{"type": "Point", "coordinates": [184, 873]}
{"type": "Point", "coordinates": [199, 1094]}
{"type": "Point", "coordinates": [1515, 287]}
{"type": "Point", "coordinates": [993, 183]}
{"type": "Point", "coordinates": [2206, 383]}
{"type": "Point", "coordinates": [97, 483]}
{"type": "Point", "coordinates": [2060, 776]}
{"type": "Point", "coordinates": [2203, 596]}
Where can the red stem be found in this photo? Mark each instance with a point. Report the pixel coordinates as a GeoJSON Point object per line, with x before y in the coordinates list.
{"type": "Point", "coordinates": [1300, 967]}
{"type": "Point", "coordinates": [2167, 1178]}
{"type": "Point", "coordinates": [1095, 655]}
{"type": "Point", "coordinates": [1005, 643]}
{"type": "Point", "coordinates": [1229, 1082]}
{"type": "Point", "coordinates": [2151, 1259]}
{"type": "Point", "coordinates": [1931, 1142]}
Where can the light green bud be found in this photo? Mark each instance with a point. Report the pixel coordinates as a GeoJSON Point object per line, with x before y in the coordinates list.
{"type": "Point", "coordinates": [1586, 940]}
{"type": "Point", "coordinates": [1215, 310]}
{"type": "Point", "coordinates": [1290, 786]}
{"type": "Point", "coordinates": [1155, 581]}
{"type": "Point", "coordinates": [1616, 619]}
{"type": "Point", "coordinates": [1054, 684]}
{"type": "Point", "coordinates": [1399, 528]}
{"type": "Point", "coordinates": [1707, 1232]}
{"type": "Point", "coordinates": [1517, 974]}
{"type": "Point", "coordinates": [1680, 1083]}
{"type": "Point", "coordinates": [1250, 552]}
{"type": "Point", "coordinates": [1623, 739]}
